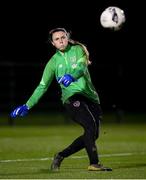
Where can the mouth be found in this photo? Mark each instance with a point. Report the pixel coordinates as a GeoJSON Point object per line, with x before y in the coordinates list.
{"type": "Point", "coordinates": [62, 47]}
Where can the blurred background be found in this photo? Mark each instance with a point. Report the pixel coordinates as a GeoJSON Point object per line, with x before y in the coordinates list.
{"type": "Point", "coordinates": [117, 69]}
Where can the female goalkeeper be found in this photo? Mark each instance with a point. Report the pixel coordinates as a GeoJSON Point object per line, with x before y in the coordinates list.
{"type": "Point", "coordinates": [69, 65]}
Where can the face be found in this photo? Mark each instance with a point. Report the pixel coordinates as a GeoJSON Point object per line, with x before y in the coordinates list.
{"type": "Point", "coordinates": [60, 40]}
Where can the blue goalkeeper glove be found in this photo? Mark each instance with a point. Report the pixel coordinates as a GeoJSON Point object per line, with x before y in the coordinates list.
{"type": "Point", "coordinates": [66, 80]}
{"type": "Point", "coordinates": [20, 111]}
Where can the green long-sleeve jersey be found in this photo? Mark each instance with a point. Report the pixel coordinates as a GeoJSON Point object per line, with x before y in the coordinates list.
{"type": "Point", "coordinates": [72, 61]}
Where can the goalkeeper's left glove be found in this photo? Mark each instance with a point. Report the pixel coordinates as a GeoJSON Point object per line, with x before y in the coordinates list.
{"type": "Point", "coordinates": [66, 80]}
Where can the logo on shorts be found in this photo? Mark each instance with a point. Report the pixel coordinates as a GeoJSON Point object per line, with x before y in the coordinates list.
{"type": "Point", "coordinates": [76, 104]}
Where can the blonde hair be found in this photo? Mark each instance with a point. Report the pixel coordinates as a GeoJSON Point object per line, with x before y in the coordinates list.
{"type": "Point", "coordinates": [84, 48]}
{"type": "Point", "coordinates": [71, 41]}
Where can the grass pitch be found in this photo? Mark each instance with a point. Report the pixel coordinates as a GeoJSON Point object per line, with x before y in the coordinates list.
{"type": "Point", "coordinates": [26, 152]}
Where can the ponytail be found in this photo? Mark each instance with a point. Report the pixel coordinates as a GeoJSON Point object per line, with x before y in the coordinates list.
{"type": "Point", "coordinates": [71, 41]}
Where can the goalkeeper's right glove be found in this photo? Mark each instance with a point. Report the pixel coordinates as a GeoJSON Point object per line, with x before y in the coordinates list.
{"type": "Point", "coordinates": [20, 111]}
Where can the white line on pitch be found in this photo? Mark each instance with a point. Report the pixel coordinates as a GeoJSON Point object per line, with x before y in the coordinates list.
{"type": "Point", "coordinates": [73, 157]}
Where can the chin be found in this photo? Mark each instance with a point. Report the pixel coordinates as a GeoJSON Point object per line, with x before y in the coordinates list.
{"type": "Point", "coordinates": [62, 49]}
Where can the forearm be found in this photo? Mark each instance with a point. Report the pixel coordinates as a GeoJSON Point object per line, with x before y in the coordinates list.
{"type": "Point", "coordinates": [45, 82]}
{"type": "Point", "coordinates": [37, 94]}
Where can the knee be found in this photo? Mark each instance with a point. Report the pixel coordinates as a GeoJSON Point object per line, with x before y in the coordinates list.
{"type": "Point", "coordinates": [91, 133]}
{"type": "Point", "coordinates": [97, 135]}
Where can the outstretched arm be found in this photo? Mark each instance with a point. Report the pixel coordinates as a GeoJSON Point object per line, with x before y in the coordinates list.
{"type": "Point", "coordinates": [45, 82]}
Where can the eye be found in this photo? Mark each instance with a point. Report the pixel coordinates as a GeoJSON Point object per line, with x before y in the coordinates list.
{"type": "Point", "coordinates": [63, 37]}
{"type": "Point", "coordinates": [56, 39]}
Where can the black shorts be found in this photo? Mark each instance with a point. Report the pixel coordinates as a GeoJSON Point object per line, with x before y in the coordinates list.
{"type": "Point", "coordinates": [85, 112]}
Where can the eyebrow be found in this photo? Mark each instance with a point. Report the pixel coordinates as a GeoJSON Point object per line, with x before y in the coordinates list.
{"type": "Point", "coordinates": [63, 36]}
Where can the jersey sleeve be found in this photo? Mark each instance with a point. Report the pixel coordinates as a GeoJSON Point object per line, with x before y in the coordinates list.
{"type": "Point", "coordinates": [47, 77]}
{"type": "Point", "coordinates": [81, 65]}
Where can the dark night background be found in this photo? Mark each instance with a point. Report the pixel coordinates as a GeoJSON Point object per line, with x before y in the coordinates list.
{"type": "Point", "coordinates": [117, 69]}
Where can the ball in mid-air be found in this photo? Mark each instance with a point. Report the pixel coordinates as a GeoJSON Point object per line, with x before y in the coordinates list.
{"type": "Point", "coordinates": [113, 18]}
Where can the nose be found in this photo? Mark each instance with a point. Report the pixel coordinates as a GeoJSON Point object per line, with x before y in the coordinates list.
{"type": "Point", "coordinates": [60, 41]}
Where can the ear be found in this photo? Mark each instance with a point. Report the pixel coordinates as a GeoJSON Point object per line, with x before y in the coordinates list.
{"type": "Point", "coordinates": [68, 35]}
{"type": "Point", "coordinates": [52, 43]}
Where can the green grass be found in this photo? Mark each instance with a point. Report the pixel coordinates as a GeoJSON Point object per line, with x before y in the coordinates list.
{"type": "Point", "coordinates": [121, 146]}
{"type": "Point", "coordinates": [51, 118]}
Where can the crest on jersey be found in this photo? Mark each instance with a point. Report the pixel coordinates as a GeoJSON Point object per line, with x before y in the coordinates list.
{"type": "Point", "coordinates": [74, 66]}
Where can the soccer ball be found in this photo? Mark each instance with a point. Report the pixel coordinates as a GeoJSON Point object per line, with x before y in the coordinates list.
{"type": "Point", "coordinates": [112, 18]}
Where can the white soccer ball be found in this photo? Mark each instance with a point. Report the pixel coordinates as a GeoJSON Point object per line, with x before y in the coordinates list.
{"type": "Point", "coordinates": [113, 18]}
